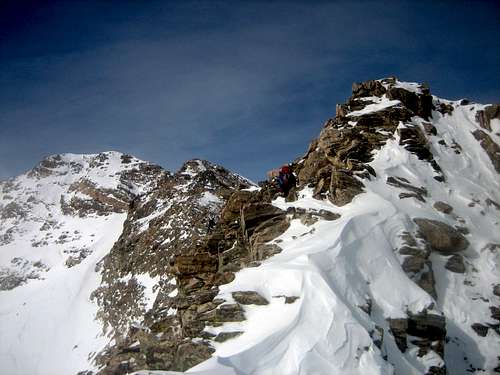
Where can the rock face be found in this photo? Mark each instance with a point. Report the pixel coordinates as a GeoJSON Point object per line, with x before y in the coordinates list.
{"type": "Point", "coordinates": [336, 162]}
{"type": "Point", "coordinates": [60, 201]}
{"type": "Point", "coordinates": [491, 148]}
{"type": "Point", "coordinates": [441, 237]}
{"type": "Point", "coordinates": [164, 238]}
{"type": "Point", "coordinates": [485, 116]}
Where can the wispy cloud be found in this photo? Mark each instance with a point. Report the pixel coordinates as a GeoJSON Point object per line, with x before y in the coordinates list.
{"type": "Point", "coordinates": [247, 85]}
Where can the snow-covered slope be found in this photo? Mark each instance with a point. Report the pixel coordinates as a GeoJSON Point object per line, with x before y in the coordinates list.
{"type": "Point", "coordinates": [384, 260]}
{"type": "Point", "coordinates": [57, 222]}
{"type": "Point", "coordinates": [378, 293]}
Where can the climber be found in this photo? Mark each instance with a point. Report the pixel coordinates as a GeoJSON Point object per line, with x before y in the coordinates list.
{"type": "Point", "coordinates": [286, 180]}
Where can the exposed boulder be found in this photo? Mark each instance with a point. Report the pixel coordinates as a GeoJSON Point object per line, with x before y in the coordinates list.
{"type": "Point", "coordinates": [443, 207]}
{"type": "Point", "coordinates": [420, 104]}
{"type": "Point", "coordinates": [343, 188]}
{"type": "Point", "coordinates": [429, 329]}
{"type": "Point", "coordinates": [224, 336]}
{"type": "Point", "coordinates": [413, 264]}
{"type": "Point", "coordinates": [496, 290]}
{"type": "Point", "coordinates": [405, 184]}
{"type": "Point", "coordinates": [249, 298]}
{"type": "Point", "coordinates": [441, 236]}
{"type": "Point", "coordinates": [455, 264]}
{"type": "Point", "coordinates": [480, 329]}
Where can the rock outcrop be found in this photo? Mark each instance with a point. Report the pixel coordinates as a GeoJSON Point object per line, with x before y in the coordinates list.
{"type": "Point", "coordinates": [441, 237]}
{"type": "Point", "coordinates": [336, 163]}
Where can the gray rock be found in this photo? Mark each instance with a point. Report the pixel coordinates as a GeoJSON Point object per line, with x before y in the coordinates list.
{"type": "Point", "coordinates": [427, 281]}
{"type": "Point", "coordinates": [398, 328]}
{"type": "Point", "coordinates": [495, 312]}
{"type": "Point", "coordinates": [430, 326]}
{"type": "Point", "coordinates": [440, 236]}
{"type": "Point", "coordinates": [343, 188]}
{"type": "Point", "coordinates": [455, 264]}
{"type": "Point", "coordinates": [480, 329]}
{"type": "Point", "coordinates": [489, 145]}
{"type": "Point", "coordinates": [413, 264]}
{"type": "Point", "coordinates": [443, 207]}
{"type": "Point", "coordinates": [496, 290]}
{"type": "Point", "coordinates": [485, 116]}
{"type": "Point", "coordinates": [408, 250]}
{"type": "Point", "coordinates": [224, 336]}
{"type": "Point", "coordinates": [249, 298]}
{"type": "Point", "coordinates": [404, 184]}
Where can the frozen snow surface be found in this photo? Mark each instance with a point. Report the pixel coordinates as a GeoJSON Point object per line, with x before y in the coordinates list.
{"type": "Point", "coordinates": [49, 259]}
{"type": "Point", "coordinates": [47, 321]}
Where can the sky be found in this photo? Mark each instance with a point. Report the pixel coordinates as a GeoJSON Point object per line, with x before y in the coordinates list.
{"type": "Point", "coordinates": [245, 84]}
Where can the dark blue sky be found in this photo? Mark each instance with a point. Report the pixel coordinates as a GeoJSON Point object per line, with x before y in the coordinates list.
{"type": "Point", "coordinates": [244, 84]}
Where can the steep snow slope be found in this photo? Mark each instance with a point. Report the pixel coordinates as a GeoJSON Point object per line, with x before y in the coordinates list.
{"type": "Point", "coordinates": [358, 290]}
{"type": "Point", "coordinates": [57, 222]}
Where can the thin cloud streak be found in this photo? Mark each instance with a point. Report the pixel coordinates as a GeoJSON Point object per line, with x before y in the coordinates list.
{"type": "Point", "coordinates": [170, 84]}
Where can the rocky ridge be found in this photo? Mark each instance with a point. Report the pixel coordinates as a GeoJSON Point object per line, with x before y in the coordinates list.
{"type": "Point", "coordinates": [337, 166]}
{"type": "Point", "coordinates": [172, 295]}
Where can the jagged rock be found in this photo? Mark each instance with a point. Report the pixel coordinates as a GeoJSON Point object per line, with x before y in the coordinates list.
{"type": "Point", "coordinates": [427, 281]}
{"type": "Point", "coordinates": [413, 139]}
{"type": "Point", "coordinates": [435, 370]}
{"type": "Point", "coordinates": [413, 264]}
{"type": "Point", "coordinates": [10, 281]}
{"type": "Point", "coordinates": [485, 116]}
{"type": "Point", "coordinates": [408, 250]}
{"type": "Point", "coordinates": [491, 202]}
{"type": "Point", "coordinates": [224, 336]}
{"type": "Point", "coordinates": [404, 184]}
{"type": "Point", "coordinates": [491, 148]}
{"type": "Point", "coordinates": [367, 88]}
{"type": "Point", "coordinates": [496, 290]}
{"type": "Point", "coordinates": [255, 214]}
{"type": "Point", "coordinates": [443, 207]}
{"type": "Point", "coordinates": [455, 264]}
{"type": "Point", "coordinates": [343, 188]}
{"type": "Point", "coordinates": [264, 251]}
{"type": "Point", "coordinates": [398, 329]}
{"type": "Point", "coordinates": [270, 229]}
{"type": "Point", "coordinates": [190, 354]}
{"type": "Point", "coordinates": [429, 128]}
{"type": "Point", "coordinates": [480, 329]}
{"type": "Point", "coordinates": [187, 265]}
{"type": "Point", "coordinates": [430, 326]}
{"type": "Point", "coordinates": [411, 195]}
{"type": "Point", "coordinates": [495, 312]}
{"type": "Point", "coordinates": [291, 299]}
{"type": "Point", "coordinates": [440, 236]}
{"type": "Point", "coordinates": [225, 313]}
{"type": "Point", "coordinates": [309, 217]}
{"type": "Point", "coordinates": [249, 298]}
{"type": "Point", "coordinates": [420, 104]}
{"type": "Point", "coordinates": [445, 108]}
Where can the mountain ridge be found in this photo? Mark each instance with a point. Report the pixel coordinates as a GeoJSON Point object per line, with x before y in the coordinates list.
{"type": "Point", "coordinates": [398, 180]}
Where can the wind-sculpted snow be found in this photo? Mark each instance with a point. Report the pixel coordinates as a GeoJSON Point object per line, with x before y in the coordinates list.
{"type": "Point", "coordinates": [355, 279]}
